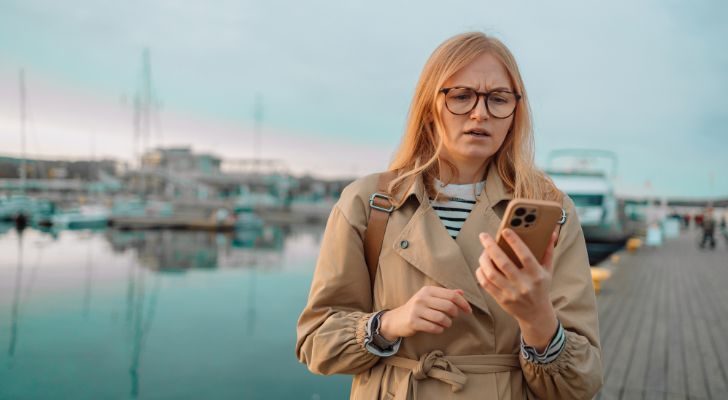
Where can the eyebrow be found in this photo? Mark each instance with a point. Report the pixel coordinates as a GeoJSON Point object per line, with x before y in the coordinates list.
{"type": "Point", "coordinates": [498, 89]}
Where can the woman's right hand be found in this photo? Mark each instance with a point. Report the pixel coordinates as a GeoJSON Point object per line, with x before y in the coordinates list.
{"type": "Point", "coordinates": [430, 310]}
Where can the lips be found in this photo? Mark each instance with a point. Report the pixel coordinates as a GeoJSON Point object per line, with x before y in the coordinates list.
{"type": "Point", "coordinates": [477, 132]}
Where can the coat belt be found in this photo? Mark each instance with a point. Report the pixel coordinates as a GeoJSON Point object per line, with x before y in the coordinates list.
{"type": "Point", "coordinates": [449, 369]}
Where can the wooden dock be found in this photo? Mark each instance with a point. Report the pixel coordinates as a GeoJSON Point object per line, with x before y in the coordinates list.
{"type": "Point", "coordinates": [663, 318]}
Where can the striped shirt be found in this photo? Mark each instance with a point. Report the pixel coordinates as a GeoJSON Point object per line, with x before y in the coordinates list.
{"type": "Point", "coordinates": [552, 352]}
{"type": "Point", "coordinates": [455, 211]}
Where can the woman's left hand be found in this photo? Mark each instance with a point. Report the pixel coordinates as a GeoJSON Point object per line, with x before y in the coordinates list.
{"type": "Point", "coordinates": [521, 292]}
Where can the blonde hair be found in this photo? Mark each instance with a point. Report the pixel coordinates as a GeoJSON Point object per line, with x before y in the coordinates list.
{"type": "Point", "coordinates": [422, 142]}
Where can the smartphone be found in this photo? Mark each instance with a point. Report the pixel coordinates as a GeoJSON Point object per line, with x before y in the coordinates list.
{"type": "Point", "coordinates": [533, 221]}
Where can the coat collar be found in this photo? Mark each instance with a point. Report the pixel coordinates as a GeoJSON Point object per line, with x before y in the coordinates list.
{"type": "Point", "coordinates": [494, 191]}
{"type": "Point", "coordinates": [415, 187]}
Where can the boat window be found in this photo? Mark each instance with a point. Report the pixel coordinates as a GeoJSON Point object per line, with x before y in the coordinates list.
{"type": "Point", "coordinates": [585, 200]}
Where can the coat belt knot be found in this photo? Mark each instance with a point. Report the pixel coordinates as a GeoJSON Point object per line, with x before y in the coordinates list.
{"type": "Point", "coordinates": [451, 370]}
{"type": "Point", "coordinates": [434, 365]}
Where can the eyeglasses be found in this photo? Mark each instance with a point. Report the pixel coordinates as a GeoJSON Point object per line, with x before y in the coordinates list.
{"type": "Point", "coordinates": [499, 103]}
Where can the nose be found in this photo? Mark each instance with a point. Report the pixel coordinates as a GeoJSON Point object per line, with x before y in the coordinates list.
{"type": "Point", "coordinates": [480, 112]}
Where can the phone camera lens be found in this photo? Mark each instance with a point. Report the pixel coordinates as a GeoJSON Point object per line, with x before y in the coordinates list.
{"type": "Point", "coordinates": [530, 218]}
{"type": "Point", "coordinates": [520, 211]}
{"type": "Point", "coordinates": [516, 222]}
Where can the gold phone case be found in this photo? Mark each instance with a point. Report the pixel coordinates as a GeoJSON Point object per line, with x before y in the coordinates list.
{"type": "Point", "coordinates": [533, 221]}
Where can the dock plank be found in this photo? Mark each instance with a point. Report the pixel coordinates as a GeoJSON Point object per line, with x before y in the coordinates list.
{"type": "Point", "coordinates": [676, 382]}
{"type": "Point", "coordinates": [663, 318]}
{"type": "Point", "coordinates": [693, 369]}
{"type": "Point", "coordinates": [703, 321]}
{"type": "Point", "coordinates": [619, 343]}
{"type": "Point", "coordinates": [655, 379]}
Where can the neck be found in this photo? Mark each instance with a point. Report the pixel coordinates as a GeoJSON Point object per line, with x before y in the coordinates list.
{"type": "Point", "coordinates": [469, 172]}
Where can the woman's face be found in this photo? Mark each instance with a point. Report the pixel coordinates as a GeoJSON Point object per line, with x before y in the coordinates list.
{"type": "Point", "coordinates": [461, 144]}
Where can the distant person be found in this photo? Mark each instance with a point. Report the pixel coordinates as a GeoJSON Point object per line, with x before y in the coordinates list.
{"type": "Point", "coordinates": [698, 220]}
{"type": "Point", "coordinates": [724, 229]}
{"type": "Point", "coordinates": [708, 225]}
{"type": "Point", "coordinates": [440, 311]}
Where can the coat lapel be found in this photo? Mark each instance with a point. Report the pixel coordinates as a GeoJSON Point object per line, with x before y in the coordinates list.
{"type": "Point", "coordinates": [483, 218]}
{"type": "Point", "coordinates": [431, 250]}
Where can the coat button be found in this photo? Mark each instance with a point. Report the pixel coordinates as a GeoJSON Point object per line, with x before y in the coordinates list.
{"type": "Point", "coordinates": [404, 244]}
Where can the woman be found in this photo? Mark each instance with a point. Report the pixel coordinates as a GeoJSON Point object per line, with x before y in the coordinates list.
{"type": "Point", "coordinates": [448, 314]}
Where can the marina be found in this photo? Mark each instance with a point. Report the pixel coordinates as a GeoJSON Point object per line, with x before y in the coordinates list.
{"type": "Point", "coordinates": [175, 278]}
{"type": "Point", "coordinates": [110, 313]}
{"type": "Point", "coordinates": [159, 232]}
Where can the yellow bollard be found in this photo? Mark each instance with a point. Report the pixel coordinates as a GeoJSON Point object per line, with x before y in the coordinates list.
{"type": "Point", "coordinates": [633, 244]}
{"type": "Point", "coordinates": [598, 275]}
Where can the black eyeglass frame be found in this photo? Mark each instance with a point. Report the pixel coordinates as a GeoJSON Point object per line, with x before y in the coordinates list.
{"type": "Point", "coordinates": [485, 96]}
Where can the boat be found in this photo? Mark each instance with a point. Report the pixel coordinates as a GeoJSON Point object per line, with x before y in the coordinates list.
{"type": "Point", "coordinates": [590, 184]}
{"type": "Point", "coordinates": [131, 214]}
{"type": "Point", "coordinates": [84, 217]}
{"type": "Point", "coordinates": [247, 220]}
{"type": "Point", "coordinates": [21, 207]}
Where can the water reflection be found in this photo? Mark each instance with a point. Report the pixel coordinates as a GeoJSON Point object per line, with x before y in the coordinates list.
{"type": "Point", "coordinates": [178, 251]}
{"type": "Point", "coordinates": [5, 227]}
{"type": "Point", "coordinates": [139, 322]}
{"type": "Point", "coordinates": [170, 251]}
{"type": "Point", "coordinates": [133, 311]}
{"type": "Point", "coordinates": [16, 300]}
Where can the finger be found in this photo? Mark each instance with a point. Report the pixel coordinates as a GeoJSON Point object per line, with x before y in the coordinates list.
{"type": "Point", "coordinates": [436, 317]}
{"type": "Point", "coordinates": [486, 264]}
{"type": "Point", "coordinates": [485, 261]}
{"type": "Point", "coordinates": [456, 296]}
{"type": "Point", "coordinates": [548, 257]}
{"type": "Point", "coordinates": [480, 277]}
{"type": "Point", "coordinates": [487, 285]}
{"type": "Point", "coordinates": [522, 251]}
{"type": "Point", "coordinates": [423, 325]}
{"type": "Point", "coordinates": [500, 259]}
{"type": "Point", "coordinates": [495, 277]}
{"type": "Point", "coordinates": [462, 302]}
{"type": "Point", "coordinates": [443, 305]}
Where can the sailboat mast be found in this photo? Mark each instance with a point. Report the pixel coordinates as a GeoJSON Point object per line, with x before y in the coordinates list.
{"type": "Point", "coordinates": [146, 99]}
{"type": "Point", "coordinates": [23, 171]}
{"type": "Point", "coordinates": [143, 115]}
{"type": "Point", "coordinates": [258, 118]}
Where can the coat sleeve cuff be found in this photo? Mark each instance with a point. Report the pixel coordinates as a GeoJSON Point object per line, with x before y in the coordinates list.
{"type": "Point", "coordinates": [375, 343]}
{"type": "Point", "coordinates": [573, 344]}
{"type": "Point", "coordinates": [552, 351]}
{"type": "Point", "coordinates": [361, 328]}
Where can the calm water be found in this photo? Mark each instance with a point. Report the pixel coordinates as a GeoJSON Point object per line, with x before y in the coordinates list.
{"type": "Point", "coordinates": [156, 315]}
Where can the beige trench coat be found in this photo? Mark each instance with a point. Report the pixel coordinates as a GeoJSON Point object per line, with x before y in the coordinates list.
{"type": "Point", "coordinates": [478, 356]}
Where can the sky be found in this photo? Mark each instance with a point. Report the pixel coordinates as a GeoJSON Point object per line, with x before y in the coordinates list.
{"type": "Point", "coordinates": [644, 79]}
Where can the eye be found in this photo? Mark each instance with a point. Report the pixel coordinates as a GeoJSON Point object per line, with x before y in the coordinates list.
{"type": "Point", "coordinates": [461, 96]}
{"type": "Point", "coordinates": [498, 99]}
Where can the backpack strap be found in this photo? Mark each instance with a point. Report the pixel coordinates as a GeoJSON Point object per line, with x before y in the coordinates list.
{"type": "Point", "coordinates": [381, 206]}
